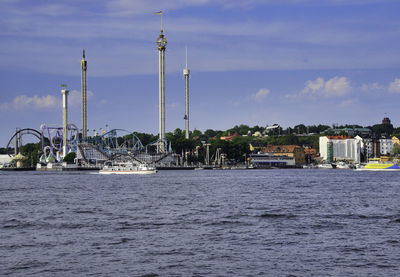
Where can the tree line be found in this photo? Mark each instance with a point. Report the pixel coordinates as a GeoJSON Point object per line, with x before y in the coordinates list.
{"type": "Point", "coordinates": [237, 148]}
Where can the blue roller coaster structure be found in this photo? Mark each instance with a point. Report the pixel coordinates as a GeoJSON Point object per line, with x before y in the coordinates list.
{"type": "Point", "coordinates": [112, 145]}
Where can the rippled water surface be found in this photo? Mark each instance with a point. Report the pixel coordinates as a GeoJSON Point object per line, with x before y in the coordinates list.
{"type": "Point", "coordinates": [201, 223]}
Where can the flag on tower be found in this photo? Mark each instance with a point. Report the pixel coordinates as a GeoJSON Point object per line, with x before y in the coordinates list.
{"type": "Point", "coordinates": [160, 12]}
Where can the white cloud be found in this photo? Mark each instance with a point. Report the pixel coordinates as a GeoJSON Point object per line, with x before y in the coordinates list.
{"type": "Point", "coordinates": [261, 94]}
{"type": "Point", "coordinates": [75, 97]}
{"type": "Point", "coordinates": [128, 29]}
{"type": "Point", "coordinates": [36, 102]}
{"type": "Point", "coordinates": [47, 102]}
{"type": "Point", "coordinates": [395, 86]}
{"type": "Point", "coordinates": [372, 87]}
{"type": "Point", "coordinates": [337, 86]}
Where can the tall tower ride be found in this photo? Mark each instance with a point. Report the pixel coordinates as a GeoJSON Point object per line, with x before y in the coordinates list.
{"type": "Point", "coordinates": [186, 73]}
{"type": "Point", "coordinates": [84, 97]}
{"type": "Point", "coordinates": [161, 43]}
{"type": "Point", "coordinates": [65, 119]}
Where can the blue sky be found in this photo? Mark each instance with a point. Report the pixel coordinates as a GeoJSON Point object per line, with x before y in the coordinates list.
{"type": "Point", "coordinates": [252, 62]}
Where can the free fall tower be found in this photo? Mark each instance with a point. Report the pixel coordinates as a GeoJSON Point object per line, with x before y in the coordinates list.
{"type": "Point", "coordinates": [84, 97]}
{"type": "Point", "coordinates": [161, 44]}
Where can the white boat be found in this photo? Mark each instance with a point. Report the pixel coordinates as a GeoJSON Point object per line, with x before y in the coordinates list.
{"type": "Point", "coordinates": [127, 168]}
{"type": "Point", "coordinates": [325, 166]}
{"type": "Point", "coordinates": [343, 165]}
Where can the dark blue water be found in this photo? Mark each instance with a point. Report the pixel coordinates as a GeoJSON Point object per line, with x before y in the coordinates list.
{"type": "Point", "coordinates": [201, 223]}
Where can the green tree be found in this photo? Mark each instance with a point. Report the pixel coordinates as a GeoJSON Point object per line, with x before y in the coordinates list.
{"type": "Point", "coordinates": [241, 129]}
{"type": "Point", "coordinates": [32, 152]}
{"type": "Point", "coordinates": [300, 129]}
{"type": "Point", "coordinates": [210, 133]}
{"type": "Point", "coordinates": [70, 157]}
{"type": "Point", "coordinates": [396, 149]}
{"type": "Point", "coordinates": [379, 129]}
{"type": "Point", "coordinates": [322, 128]}
{"type": "Point", "coordinates": [289, 140]}
{"type": "Point", "coordinates": [146, 138]}
{"type": "Point", "coordinates": [196, 133]}
{"type": "Point", "coordinates": [257, 129]}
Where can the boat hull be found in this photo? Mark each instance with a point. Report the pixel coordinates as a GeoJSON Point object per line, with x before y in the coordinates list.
{"type": "Point", "coordinates": [126, 172]}
{"type": "Point", "coordinates": [376, 169]}
{"type": "Point", "coordinates": [380, 167]}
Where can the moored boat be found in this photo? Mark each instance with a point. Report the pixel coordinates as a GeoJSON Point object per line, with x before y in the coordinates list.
{"type": "Point", "coordinates": [325, 166]}
{"type": "Point", "coordinates": [378, 165]}
{"type": "Point", "coordinates": [127, 168]}
{"type": "Point", "coordinates": [343, 165]}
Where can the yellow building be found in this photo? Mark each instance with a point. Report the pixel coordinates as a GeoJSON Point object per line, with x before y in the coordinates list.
{"type": "Point", "coordinates": [396, 141]}
{"type": "Point", "coordinates": [286, 150]}
{"type": "Point", "coordinates": [256, 146]}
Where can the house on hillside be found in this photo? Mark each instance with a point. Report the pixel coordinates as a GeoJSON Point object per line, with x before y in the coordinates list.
{"type": "Point", "coordinates": [229, 137]}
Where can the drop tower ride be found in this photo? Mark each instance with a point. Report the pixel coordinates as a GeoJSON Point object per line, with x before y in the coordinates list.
{"type": "Point", "coordinates": [84, 97]}
{"type": "Point", "coordinates": [161, 43]}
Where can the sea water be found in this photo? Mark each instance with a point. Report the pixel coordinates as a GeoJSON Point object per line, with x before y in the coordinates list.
{"type": "Point", "coordinates": [200, 223]}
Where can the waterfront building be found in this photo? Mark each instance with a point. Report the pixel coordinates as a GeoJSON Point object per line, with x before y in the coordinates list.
{"type": "Point", "coordinates": [386, 145]}
{"type": "Point", "coordinates": [293, 151]}
{"type": "Point", "coordinates": [366, 145]}
{"type": "Point", "coordinates": [4, 160]}
{"type": "Point", "coordinates": [376, 145]}
{"type": "Point", "coordinates": [310, 154]}
{"type": "Point", "coordinates": [336, 148]}
{"type": "Point", "coordinates": [256, 146]}
{"type": "Point", "coordinates": [262, 160]}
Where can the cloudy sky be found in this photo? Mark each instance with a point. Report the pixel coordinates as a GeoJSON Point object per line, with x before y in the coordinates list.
{"type": "Point", "coordinates": [256, 62]}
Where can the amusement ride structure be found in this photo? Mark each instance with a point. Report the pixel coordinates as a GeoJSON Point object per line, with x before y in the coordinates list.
{"type": "Point", "coordinates": [56, 141]}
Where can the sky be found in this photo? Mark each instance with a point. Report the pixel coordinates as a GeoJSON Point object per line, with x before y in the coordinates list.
{"type": "Point", "coordinates": [254, 62]}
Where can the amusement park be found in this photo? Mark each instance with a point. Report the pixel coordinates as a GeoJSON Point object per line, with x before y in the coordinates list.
{"type": "Point", "coordinates": [67, 147]}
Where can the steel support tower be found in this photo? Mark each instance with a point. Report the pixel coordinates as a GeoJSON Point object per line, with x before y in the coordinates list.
{"type": "Point", "coordinates": [65, 120]}
{"type": "Point", "coordinates": [161, 43]}
{"type": "Point", "coordinates": [84, 97]}
{"type": "Point", "coordinates": [186, 74]}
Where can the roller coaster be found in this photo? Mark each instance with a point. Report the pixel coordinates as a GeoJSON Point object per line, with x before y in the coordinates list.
{"type": "Point", "coordinates": [14, 145]}
{"type": "Point", "coordinates": [121, 145]}
{"type": "Point", "coordinates": [116, 144]}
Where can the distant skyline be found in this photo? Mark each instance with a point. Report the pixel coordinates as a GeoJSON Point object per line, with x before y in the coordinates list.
{"type": "Point", "coordinates": [252, 62]}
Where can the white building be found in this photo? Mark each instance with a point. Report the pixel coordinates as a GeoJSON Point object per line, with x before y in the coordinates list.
{"type": "Point", "coordinates": [268, 160]}
{"type": "Point", "coordinates": [386, 146]}
{"type": "Point", "coordinates": [343, 148]}
{"type": "Point", "coordinates": [4, 159]}
{"type": "Point", "coordinates": [367, 146]}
